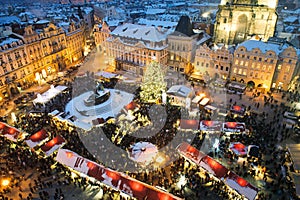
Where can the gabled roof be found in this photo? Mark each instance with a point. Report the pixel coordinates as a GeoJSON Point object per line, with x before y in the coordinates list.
{"type": "Point", "coordinates": [184, 27]}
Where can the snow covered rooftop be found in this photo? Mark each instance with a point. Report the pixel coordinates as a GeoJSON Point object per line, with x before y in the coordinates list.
{"type": "Point", "coordinates": [43, 21]}
{"type": "Point", "coordinates": [290, 19]}
{"type": "Point", "coordinates": [9, 19]}
{"type": "Point", "coordinates": [147, 33]}
{"type": "Point", "coordinates": [156, 23]}
{"type": "Point", "coordinates": [155, 11]}
{"type": "Point", "coordinates": [263, 46]}
{"type": "Point", "coordinates": [9, 41]}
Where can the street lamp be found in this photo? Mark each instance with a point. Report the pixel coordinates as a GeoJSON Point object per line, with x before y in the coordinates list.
{"type": "Point", "coordinates": [5, 182]}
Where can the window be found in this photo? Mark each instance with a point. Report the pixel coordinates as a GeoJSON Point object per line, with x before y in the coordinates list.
{"type": "Point", "coordinates": [288, 68]}
{"type": "Point", "coordinates": [240, 71]}
{"type": "Point", "coordinates": [225, 21]}
{"type": "Point", "coordinates": [263, 67]}
{"type": "Point", "coordinates": [226, 69]}
{"type": "Point", "coordinates": [236, 62]}
{"type": "Point", "coordinates": [258, 66]}
{"type": "Point", "coordinates": [235, 70]}
{"type": "Point", "coordinates": [217, 66]}
{"type": "Point", "coordinates": [243, 56]}
{"type": "Point", "coordinates": [245, 72]}
{"type": "Point", "coordinates": [248, 57]}
{"type": "Point", "coordinates": [262, 77]}
{"type": "Point", "coordinates": [284, 77]}
{"type": "Point", "coordinates": [271, 61]}
{"type": "Point", "coordinates": [206, 64]}
{"type": "Point", "coordinates": [246, 64]}
{"type": "Point", "coordinates": [256, 75]}
{"type": "Point", "coordinates": [254, 58]}
{"type": "Point", "coordinates": [259, 59]}
{"type": "Point", "coordinates": [242, 62]}
{"type": "Point", "coordinates": [253, 65]}
{"type": "Point", "coordinates": [202, 64]}
{"type": "Point", "coordinates": [198, 63]}
{"type": "Point", "coordinates": [222, 67]}
{"type": "Point", "coordinates": [279, 67]}
{"type": "Point", "coordinates": [251, 74]}
{"type": "Point", "coordinates": [290, 61]}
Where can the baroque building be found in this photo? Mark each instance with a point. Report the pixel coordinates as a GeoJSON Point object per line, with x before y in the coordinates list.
{"type": "Point", "coordinates": [134, 46]}
{"type": "Point", "coordinates": [212, 63]}
{"type": "Point", "coordinates": [270, 64]}
{"type": "Point", "coordinates": [36, 53]}
{"type": "Point", "coordinates": [239, 20]}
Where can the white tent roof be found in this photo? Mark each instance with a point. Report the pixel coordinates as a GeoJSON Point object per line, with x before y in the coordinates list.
{"type": "Point", "coordinates": [49, 94]}
{"type": "Point", "coordinates": [179, 90]}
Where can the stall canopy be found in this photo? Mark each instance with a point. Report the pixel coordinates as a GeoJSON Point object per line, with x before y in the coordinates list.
{"type": "Point", "coordinates": [294, 150]}
{"type": "Point", "coordinates": [238, 148]}
{"type": "Point", "coordinates": [234, 127]}
{"type": "Point", "coordinates": [189, 124]}
{"type": "Point", "coordinates": [190, 152]}
{"type": "Point", "coordinates": [242, 186]}
{"type": "Point", "coordinates": [213, 167]}
{"type": "Point", "coordinates": [208, 126]}
{"type": "Point", "coordinates": [219, 171]}
{"type": "Point", "coordinates": [204, 101]}
{"type": "Point", "coordinates": [131, 106]}
{"type": "Point", "coordinates": [198, 98]}
{"type": "Point", "coordinates": [11, 133]}
{"type": "Point", "coordinates": [37, 138]}
{"type": "Point", "coordinates": [240, 110]}
{"type": "Point", "coordinates": [111, 178]}
{"type": "Point", "coordinates": [180, 91]}
{"type": "Point", "coordinates": [53, 145]}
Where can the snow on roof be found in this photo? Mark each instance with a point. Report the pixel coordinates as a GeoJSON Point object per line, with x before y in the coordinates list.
{"type": "Point", "coordinates": [87, 10]}
{"type": "Point", "coordinates": [8, 41]}
{"type": "Point", "coordinates": [263, 46]}
{"type": "Point", "coordinates": [43, 21]}
{"type": "Point", "coordinates": [157, 23]}
{"type": "Point", "coordinates": [155, 11]}
{"type": "Point", "coordinates": [179, 90]}
{"type": "Point", "coordinates": [9, 19]}
{"type": "Point", "coordinates": [140, 32]}
{"type": "Point", "coordinates": [290, 19]}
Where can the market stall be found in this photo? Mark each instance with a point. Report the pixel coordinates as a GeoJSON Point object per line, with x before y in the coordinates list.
{"type": "Point", "coordinates": [234, 127]}
{"type": "Point", "coordinates": [114, 179]}
{"type": "Point", "coordinates": [241, 185]}
{"type": "Point", "coordinates": [11, 133]}
{"type": "Point", "coordinates": [238, 148]}
{"type": "Point", "coordinates": [37, 138]}
{"type": "Point", "coordinates": [210, 126]}
{"type": "Point", "coordinates": [53, 145]}
{"type": "Point", "coordinates": [189, 124]}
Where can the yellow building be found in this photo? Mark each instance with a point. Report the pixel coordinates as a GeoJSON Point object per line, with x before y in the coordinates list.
{"type": "Point", "coordinates": [36, 56]}
{"type": "Point", "coordinates": [239, 20]}
{"type": "Point", "coordinates": [212, 63]}
{"type": "Point", "coordinates": [264, 64]}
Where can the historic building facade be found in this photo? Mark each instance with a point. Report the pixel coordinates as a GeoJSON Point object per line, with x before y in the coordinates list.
{"type": "Point", "coordinates": [239, 20]}
{"type": "Point", "coordinates": [267, 65]}
{"type": "Point", "coordinates": [134, 46]}
{"type": "Point", "coordinates": [182, 45]}
{"type": "Point", "coordinates": [212, 63]}
{"type": "Point", "coordinates": [42, 51]}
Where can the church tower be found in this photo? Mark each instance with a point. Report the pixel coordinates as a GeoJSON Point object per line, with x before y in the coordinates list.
{"type": "Point", "coordinates": [239, 20]}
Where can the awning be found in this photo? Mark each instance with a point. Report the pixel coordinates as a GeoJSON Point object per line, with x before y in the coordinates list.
{"type": "Point", "coordinates": [114, 179]}
{"type": "Point", "coordinates": [206, 125]}
{"type": "Point", "coordinates": [53, 145]}
{"type": "Point", "coordinates": [189, 124]}
{"type": "Point", "coordinates": [37, 138]}
{"type": "Point", "coordinates": [241, 185]}
{"type": "Point", "coordinates": [234, 127]}
{"type": "Point", "coordinates": [214, 167]}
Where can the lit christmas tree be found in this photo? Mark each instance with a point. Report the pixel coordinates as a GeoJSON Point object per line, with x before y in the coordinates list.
{"type": "Point", "coordinates": [153, 83]}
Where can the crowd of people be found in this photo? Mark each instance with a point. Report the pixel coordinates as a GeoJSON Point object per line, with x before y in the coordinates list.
{"type": "Point", "coordinates": [99, 144]}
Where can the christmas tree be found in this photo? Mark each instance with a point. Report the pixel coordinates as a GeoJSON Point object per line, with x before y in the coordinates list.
{"type": "Point", "coordinates": [153, 83]}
